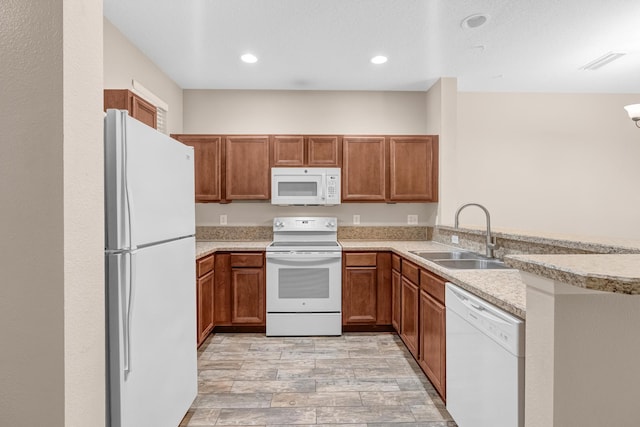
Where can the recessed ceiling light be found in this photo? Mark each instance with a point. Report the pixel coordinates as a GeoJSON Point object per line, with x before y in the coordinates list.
{"type": "Point", "coordinates": [249, 58]}
{"type": "Point", "coordinates": [379, 59]}
{"type": "Point", "coordinates": [474, 21]}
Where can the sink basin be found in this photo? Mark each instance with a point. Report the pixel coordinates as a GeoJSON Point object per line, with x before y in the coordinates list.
{"type": "Point", "coordinates": [447, 255]}
{"type": "Point", "coordinates": [472, 264]}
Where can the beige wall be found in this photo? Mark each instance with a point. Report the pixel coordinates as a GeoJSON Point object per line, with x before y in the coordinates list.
{"type": "Point", "coordinates": [51, 251]}
{"type": "Point", "coordinates": [565, 163]}
{"type": "Point", "coordinates": [341, 112]}
{"type": "Point", "coordinates": [124, 62]}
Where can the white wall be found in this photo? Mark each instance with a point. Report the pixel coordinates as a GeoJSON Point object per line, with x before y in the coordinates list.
{"type": "Point", "coordinates": [307, 112]}
{"type": "Point", "coordinates": [51, 251]}
{"type": "Point", "coordinates": [565, 163]}
{"type": "Point", "coordinates": [124, 62]}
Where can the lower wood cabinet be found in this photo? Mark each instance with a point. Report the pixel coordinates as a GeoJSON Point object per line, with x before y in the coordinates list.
{"type": "Point", "coordinates": [248, 289]}
{"type": "Point", "coordinates": [432, 358]}
{"type": "Point", "coordinates": [433, 341]}
{"type": "Point", "coordinates": [366, 288]}
{"type": "Point", "coordinates": [409, 319]}
{"type": "Point", "coordinates": [204, 297]}
{"type": "Point", "coordinates": [396, 303]}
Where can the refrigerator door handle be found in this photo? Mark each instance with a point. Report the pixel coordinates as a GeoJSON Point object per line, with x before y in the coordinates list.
{"type": "Point", "coordinates": [127, 186]}
{"type": "Point", "coordinates": [127, 293]}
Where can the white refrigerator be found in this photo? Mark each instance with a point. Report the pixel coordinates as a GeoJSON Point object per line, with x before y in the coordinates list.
{"type": "Point", "coordinates": [150, 275]}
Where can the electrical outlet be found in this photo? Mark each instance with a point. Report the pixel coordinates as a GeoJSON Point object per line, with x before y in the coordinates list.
{"type": "Point", "coordinates": [223, 220]}
{"type": "Point", "coordinates": [412, 219]}
{"type": "Point", "coordinates": [356, 219]}
{"type": "Point", "coordinates": [454, 239]}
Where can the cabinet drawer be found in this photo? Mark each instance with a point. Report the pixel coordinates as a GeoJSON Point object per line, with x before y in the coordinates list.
{"type": "Point", "coordinates": [205, 265]}
{"type": "Point", "coordinates": [360, 259]}
{"type": "Point", "coordinates": [410, 271]}
{"type": "Point", "coordinates": [395, 262]}
{"type": "Point", "coordinates": [433, 285]}
{"type": "Point", "coordinates": [246, 260]}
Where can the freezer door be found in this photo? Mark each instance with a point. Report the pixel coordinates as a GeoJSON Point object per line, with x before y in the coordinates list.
{"type": "Point", "coordinates": [149, 184]}
{"type": "Point", "coordinates": [152, 334]}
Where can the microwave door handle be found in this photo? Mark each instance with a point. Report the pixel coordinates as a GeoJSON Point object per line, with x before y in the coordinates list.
{"type": "Point", "coordinates": [323, 184]}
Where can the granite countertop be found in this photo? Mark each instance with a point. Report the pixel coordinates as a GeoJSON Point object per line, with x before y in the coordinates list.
{"type": "Point", "coordinates": [204, 247]}
{"type": "Point", "coordinates": [619, 273]}
{"type": "Point", "coordinates": [503, 288]}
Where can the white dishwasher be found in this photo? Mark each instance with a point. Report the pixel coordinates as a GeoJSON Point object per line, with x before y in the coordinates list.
{"type": "Point", "coordinates": [485, 362]}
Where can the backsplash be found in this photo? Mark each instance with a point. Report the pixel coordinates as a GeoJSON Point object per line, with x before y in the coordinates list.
{"type": "Point", "coordinates": [249, 233]}
{"type": "Point", "coordinates": [239, 233]}
{"type": "Point", "coordinates": [515, 244]}
{"type": "Point", "coordinates": [384, 233]}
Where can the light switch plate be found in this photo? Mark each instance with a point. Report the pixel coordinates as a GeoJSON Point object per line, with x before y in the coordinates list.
{"type": "Point", "coordinates": [412, 219]}
{"type": "Point", "coordinates": [454, 239]}
{"type": "Point", "coordinates": [223, 220]}
{"type": "Point", "coordinates": [356, 219]}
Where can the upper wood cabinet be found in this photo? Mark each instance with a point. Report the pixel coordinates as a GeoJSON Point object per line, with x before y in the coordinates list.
{"type": "Point", "coordinates": [309, 150]}
{"type": "Point", "coordinates": [390, 168]}
{"type": "Point", "coordinates": [138, 108]}
{"type": "Point", "coordinates": [247, 171]}
{"type": "Point", "coordinates": [364, 172]}
{"type": "Point", "coordinates": [413, 168]}
{"type": "Point", "coordinates": [209, 154]}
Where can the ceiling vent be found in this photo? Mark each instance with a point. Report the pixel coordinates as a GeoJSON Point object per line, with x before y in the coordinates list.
{"type": "Point", "coordinates": [602, 61]}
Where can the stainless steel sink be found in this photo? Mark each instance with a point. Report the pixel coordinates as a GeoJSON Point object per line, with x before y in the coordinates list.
{"type": "Point", "coordinates": [472, 264]}
{"type": "Point", "coordinates": [447, 255]}
{"type": "Point", "coordinates": [460, 260]}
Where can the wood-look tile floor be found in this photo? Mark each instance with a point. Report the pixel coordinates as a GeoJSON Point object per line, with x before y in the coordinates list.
{"type": "Point", "coordinates": [356, 380]}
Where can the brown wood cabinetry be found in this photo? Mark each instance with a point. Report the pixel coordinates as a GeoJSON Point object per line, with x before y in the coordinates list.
{"type": "Point", "coordinates": [359, 290]}
{"type": "Point", "coordinates": [364, 173]}
{"type": "Point", "coordinates": [247, 171]}
{"type": "Point", "coordinates": [208, 160]}
{"type": "Point", "coordinates": [306, 150]}
{"type": "Point", "coordinates": [366, 288]}
{"type": "Point", "coordinates": [410, 300]}
{"type": "Point", "coordinates": [204, 297]}
{"type": "Point", "coordinates": [247, 289]}
{"type": "Point", "coordinates": [432, 357]}
{"type": "Point", "coordinates": [222, 290]}
{"type": "Point", "coordinates": [413, 168]}
{"type": "Point", "coordinates": [390, 168]}
{"type": "Point", "coordinates": [396, 285]}
{"type": "Point", "coordinates": [138, 108]}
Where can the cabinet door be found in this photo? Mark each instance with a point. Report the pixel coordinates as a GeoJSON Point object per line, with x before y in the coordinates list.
{"type": "Point", "coordinates": [409, 325]}
{"type": "Point", "coordinates": [138, 108]}
{"type": "Point", "coordinates": [364, 169]}
{"type": "Point", "coordinates": [396, 302]}
{"type": "Point", "coordinates": [324, 151]}
{"type": "Point", "coordinates": [433, 341]}
{"type": "Point", "coordinates": [208, 158]}
{"type": "Point", "coordinates": [413, 174]}
{"type": "Point", "coordinates": [359, 296]}
{"type": "Point", "coordinates": [384, 297]}
{"type": "Point", "coordinates": [144, 111]}
{"type": "Point", "coordinates": [222, 291]}
{"type": "Point", "coordinates": [204, 297]}
{"type": "Point", "coordinates": [248, 296]}
{"type": "Point", "coordinates": [247, 167]}
{"type": "Point", "coordinates": [288, 151]}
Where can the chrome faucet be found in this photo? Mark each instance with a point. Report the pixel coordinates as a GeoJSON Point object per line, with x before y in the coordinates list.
{"type": "Point", "coordinates": [491, 242]}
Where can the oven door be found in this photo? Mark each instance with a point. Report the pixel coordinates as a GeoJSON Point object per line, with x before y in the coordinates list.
{"type": "Point", "coordinates": [303, 282]}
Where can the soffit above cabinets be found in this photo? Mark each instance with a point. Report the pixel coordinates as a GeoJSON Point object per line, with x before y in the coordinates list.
{"type": "Point", "coordinates": [523, 45]}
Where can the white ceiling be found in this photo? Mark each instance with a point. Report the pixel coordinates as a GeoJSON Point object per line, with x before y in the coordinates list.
{"type": "Point", "coordinates": [526, 45]}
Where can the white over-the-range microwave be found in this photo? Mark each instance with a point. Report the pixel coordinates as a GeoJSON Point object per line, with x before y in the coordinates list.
{"type": "Point", "coordinates": [305, 186]}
